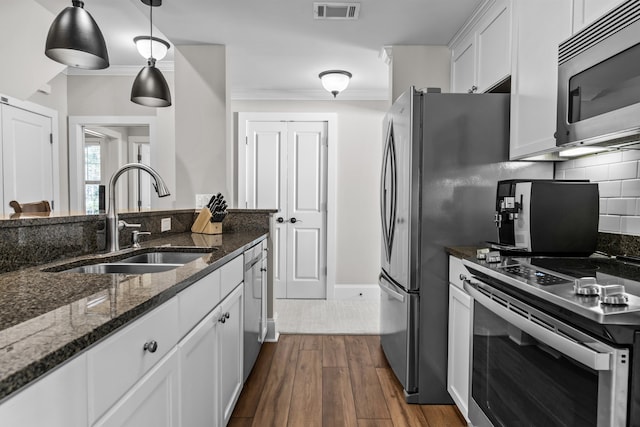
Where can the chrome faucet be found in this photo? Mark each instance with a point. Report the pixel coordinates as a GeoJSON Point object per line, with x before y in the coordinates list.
{"type": "Point", "coordinates": [113, 225]}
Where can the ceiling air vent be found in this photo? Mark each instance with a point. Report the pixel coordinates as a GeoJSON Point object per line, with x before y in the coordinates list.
{"type": "Point", "coordinates": [336, 10]}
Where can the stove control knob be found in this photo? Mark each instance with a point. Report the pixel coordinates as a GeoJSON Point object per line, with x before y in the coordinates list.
{"type": "Point", "coordinates": [586, 286]}
{"type": "Point", "coordinates": [493, 257]}
{"type": "Point", "coordinates": [613, 295]}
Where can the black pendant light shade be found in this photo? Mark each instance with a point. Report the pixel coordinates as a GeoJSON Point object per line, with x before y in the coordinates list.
{"type": "Point", "coordinates": [74, 39]}
{"type": "Point", "coordinates": [150, 87]}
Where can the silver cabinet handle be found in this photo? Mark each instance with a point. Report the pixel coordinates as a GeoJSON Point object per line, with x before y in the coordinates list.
{"type": "Point", "coordinates": [224, 317]}
{"type": "Point", "coordinates": [263, 269]}
{"type": "Point", "coordinates": [462, 277]}
{"type": "Point", "coordinates": [473, 89]}
{"type": "Point", "coordinates": [150, 346]}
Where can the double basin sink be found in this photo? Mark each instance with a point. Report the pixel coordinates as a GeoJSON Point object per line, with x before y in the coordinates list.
{"type": "Point", "coordinates": [148, 262]}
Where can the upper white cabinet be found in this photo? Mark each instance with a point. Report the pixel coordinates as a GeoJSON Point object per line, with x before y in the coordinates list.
{"type": "Point", "coordinates": [481, 57]}
{"type": "Point", "coordinates": [587, 11]}
{"type": "Point", "coordinates": [534, 78]}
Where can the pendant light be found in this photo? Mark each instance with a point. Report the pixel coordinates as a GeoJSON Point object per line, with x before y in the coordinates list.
{"type": "Point", "coordinates": [158, 46]}
{"type": "Point", "coordinates": [150, 87]}
{"type": "Point", "coordinates": [74, 39]}
{"type": "Point", "coordinates": [335, 81]}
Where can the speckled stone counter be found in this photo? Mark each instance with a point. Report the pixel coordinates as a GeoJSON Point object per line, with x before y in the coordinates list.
{"type": "Point", "coordinates": [48, 317]}
{"type": "Point", "coordinates": [461, 251]}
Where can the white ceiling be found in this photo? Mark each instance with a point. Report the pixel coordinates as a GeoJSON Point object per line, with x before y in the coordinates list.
{"type": "Point", "coordinates": [275, 48]}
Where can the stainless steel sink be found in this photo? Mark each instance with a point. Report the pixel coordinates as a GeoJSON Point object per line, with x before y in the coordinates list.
{"type": "Point", "coordinates": [122, 268]}
{"type": "Point", "coordinates": [149, 262]}
{"type": "Point", "coordinates": [164, 258]}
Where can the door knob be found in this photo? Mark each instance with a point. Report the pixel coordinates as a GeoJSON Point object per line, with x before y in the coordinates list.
{"type": "Point", "coordinates": [293, 220]}
{"type": "Point", "coordinates": [280, 219]}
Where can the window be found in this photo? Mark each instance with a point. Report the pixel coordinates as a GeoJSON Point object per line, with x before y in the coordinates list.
{"type": "Point", "coordinates": [92, 173]}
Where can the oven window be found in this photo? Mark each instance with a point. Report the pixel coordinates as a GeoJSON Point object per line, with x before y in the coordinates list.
{"type": "Point", "coordinates": [518, 381]}
{"type": "Point", "coordinates": [607, 86]}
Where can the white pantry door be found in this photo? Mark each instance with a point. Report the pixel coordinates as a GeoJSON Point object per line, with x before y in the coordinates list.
{"type": "Point", "coordinates": [27, 157]}
{"type": "Point", "coordinates": [286, 169]}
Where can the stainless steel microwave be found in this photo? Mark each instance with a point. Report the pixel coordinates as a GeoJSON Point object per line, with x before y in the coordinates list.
{"type": "Point", "coordinates": [599, 81]}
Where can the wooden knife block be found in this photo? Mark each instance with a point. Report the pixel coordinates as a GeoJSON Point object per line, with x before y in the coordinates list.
{"type": "Point", "coordinates": [203, 224]}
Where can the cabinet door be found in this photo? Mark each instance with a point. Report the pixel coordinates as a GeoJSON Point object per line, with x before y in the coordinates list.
{"type": "Point", "coordinates": [463, 66]}
{"type": "Point", "coordinates": [199, 374]}
{"type": "Point", "coordinates": [587, 11]}
{"type": "Point", "coordinates": [230, 347]}
{"type": "Point", "coordinates": [153, 401]}
{"type": "Point", "coordinates": [494, 46]}
{"type": "Point", "coordinates": [535, 74]}
{"type": "Point", "coordinates": [57, 400]}
{"type": "Point", "coordinates": [459, 348]}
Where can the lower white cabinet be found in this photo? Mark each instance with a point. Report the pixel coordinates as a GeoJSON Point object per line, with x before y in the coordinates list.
{"type": "Point", "coordinates": [57, 400]}
{"type": "Point", "coordinates": [230, 352]}
{"type": "Point", "coordinates": [199, 373]}
{"type": "Point", "coordinates": [459, 339]}
{"type": "Point", "coordinates": [152, 401]}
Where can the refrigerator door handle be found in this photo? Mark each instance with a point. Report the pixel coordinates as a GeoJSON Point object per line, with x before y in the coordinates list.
{"type": "Point", "coordinates": [388, 194]}
{"type": "Point", "coordinates": [387, 288]}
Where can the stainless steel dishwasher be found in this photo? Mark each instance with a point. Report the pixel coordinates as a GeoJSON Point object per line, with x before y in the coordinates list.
{"type": "Point", "coordinates": [255, 303]}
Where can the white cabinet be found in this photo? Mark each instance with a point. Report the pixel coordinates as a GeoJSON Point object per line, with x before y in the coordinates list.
{"type": "Point", "coordinates": [152, 401]}
{"type": "Point", "coordinates": [230, 347]}
{"type": "Point", "coordinates": [587, 11]}
{"type": "Point", "coordinates": [199, 373]}
{"type": "Point", "coordinates": [534, 79]}
{"type": "Point", "coordinates": [459, 343]}
{"type": "Point", "coordinates": [57, 400]}
{"type": "Point", "coordinates": [482, 57]}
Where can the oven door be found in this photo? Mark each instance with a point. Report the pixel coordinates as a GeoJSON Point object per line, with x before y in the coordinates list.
{"type": "Point", "coordinates": [529, 369]}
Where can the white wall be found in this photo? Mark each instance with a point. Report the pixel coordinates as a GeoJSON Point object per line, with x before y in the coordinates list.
{"type": "Point", "coordinates": [359, 157]}
{"type": "Point", "coordinates": [618, 178]}
{"type": "Point", "coordinates": [24, 25]}
{"type": "Point", "coordinates": [419, 66]}
{"type": "Point", "coordinates": [201, 105]}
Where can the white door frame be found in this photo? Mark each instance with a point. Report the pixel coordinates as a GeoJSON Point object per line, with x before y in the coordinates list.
{"type": "Point", "coordinates": [55, 136]}
{"type": "Point", "coordinates": [76, 151]}
{"type": "Point", "coordinates": [332, 141]}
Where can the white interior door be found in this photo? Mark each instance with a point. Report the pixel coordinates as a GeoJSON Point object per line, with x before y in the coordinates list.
{"type": "Point", "coordinates": [286, 169]}
{"type": "Point", "coordinates": [27, 157]}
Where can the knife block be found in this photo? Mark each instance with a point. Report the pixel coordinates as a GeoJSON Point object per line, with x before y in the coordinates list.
{"type": "Point", "coordinates": [203, 224]}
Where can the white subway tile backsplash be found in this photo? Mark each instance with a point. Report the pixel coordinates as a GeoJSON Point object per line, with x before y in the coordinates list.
{"type": "Point", "coordinates": [625, 170]}
{"type": "Point", "coordinates": [630, 225]}
{"type": "Point", "coordinates": [621, 206]}
{"type": "Point", "coordinates": [598, 159]}
{"type": "Point", "coordinates": [569, 164]}
{"type": "Point", "coordinates": [631, 188]}
{"type": "Point", "coordinates": [609, 223]}
{"type": "Point", "coordinates": [610, 188]}
{"type": "Point", "coordinates": [603, 206]}
{"type": "Point", "coordinates": [597, 173]}
{"type": "Point", "coordinates": [630, 155]}
{"type": "Point", "coordinates": [558, 174]}
{"type": "Point", "coordinates": [578, 173]}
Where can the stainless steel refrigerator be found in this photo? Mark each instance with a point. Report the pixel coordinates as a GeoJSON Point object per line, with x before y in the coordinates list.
{"type": "Point", "coordinates": [443, 156]}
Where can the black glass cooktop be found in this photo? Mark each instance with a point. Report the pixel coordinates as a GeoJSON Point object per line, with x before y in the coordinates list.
{"type": "Point", "coordinates": [589, 267]}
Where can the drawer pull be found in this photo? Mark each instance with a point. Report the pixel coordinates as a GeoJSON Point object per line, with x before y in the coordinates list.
{"type": "Point", "coordinates": [263, 269]}
{"type": "Point", "coordinates": [150, 346]}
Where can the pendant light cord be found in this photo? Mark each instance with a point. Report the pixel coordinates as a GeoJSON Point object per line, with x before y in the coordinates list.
{"type": "Point", "coordinates": [151, 28]}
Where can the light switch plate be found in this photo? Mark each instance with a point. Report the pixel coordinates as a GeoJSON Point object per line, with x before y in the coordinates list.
{"type": "Point", "coordinates": [165, 224]}
{"type": "Point", "coordinates": [202, 200]}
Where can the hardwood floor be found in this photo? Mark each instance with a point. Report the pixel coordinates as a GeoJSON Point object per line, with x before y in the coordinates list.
{"type": "Point", "coordinates": [330, 381]}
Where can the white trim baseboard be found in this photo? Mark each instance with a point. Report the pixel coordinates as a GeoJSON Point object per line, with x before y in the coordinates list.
{"type": "Point", "coordinates": [354, 292]}
{"type": "Point", "coordinates": [272, 329]}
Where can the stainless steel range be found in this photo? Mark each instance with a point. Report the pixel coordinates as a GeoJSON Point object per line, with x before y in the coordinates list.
{"type": "Point", "coordinates": [556, 341]}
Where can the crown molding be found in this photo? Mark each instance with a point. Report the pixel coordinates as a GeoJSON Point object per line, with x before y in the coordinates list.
{"type": "Point", "coordinates": [310, 95]}
{"type": "Point", "coordinates": [119, 70]}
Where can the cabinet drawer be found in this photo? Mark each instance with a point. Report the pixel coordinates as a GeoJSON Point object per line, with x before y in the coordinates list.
{"type": "Point", "coordinates": [121, 360]}
{"type": "Point", "coordinates": [456, 268]}
{"type": "Point", "coordinates": [232, 274]}
{"type": "Point", "coordinates": [198, 300]}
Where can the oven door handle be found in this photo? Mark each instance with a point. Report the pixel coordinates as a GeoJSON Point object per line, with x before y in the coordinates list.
{"type": "Point", "coordinates": [575, 350]}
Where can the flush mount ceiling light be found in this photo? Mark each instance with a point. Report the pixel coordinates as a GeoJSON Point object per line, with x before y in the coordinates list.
{"type": "Point", "coordinates": [74, 39]}
{"type": "Point", "coordinates": [158, 46]}
{"type": "Point", "coordinates": [335, 81]}
{"type": "Point", "coordinates": [150, 87]}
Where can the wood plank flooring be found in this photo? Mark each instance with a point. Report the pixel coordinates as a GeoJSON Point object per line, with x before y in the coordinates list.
{"type": "Point", "coordinates": [330, 381]}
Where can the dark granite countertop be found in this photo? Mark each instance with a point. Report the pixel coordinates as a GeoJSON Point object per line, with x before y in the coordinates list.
{"type": "Point", "coordinates": [462, 251]}
{"type": "Point", "coordinates": [48, 317]}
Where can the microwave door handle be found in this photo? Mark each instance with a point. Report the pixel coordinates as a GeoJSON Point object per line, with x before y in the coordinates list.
{"type": "Point", "coordinates": [577, 351]}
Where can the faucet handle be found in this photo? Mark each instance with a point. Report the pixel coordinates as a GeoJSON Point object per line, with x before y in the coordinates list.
{"type": "Point", "coordinates": [122, 224]}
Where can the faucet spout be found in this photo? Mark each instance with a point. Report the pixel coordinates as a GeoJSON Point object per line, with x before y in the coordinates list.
{"type": "Point", "coordinates": [112, 214]}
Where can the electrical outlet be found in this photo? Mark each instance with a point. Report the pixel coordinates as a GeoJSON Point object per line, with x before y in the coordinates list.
{"type": "Point", "coordinates": [202, 200]}
{"type": "Point", "coordinates": [165, 224]}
